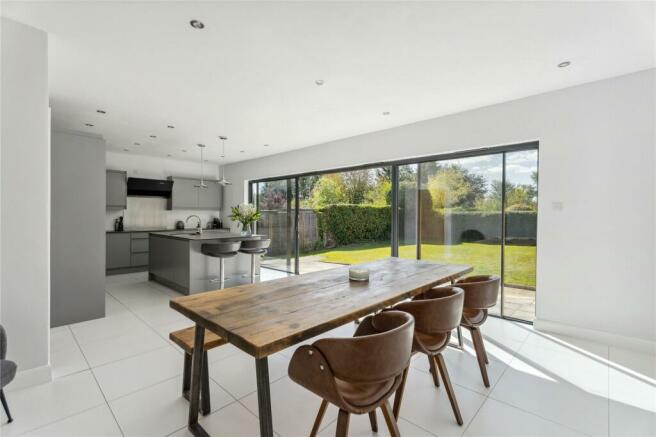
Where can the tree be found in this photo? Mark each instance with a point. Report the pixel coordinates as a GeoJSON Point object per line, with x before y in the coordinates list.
{"type": "Point", "coordinates": [452, 186]}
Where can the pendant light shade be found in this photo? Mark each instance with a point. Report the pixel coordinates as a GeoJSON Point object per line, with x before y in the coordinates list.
{"type": "Point", "coordinates": [202, 183]}
{"type": "Point", "coordinates": [220, 179]}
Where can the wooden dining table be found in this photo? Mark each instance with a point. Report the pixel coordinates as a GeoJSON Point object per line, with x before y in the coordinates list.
{"type": "Point", "coordinates": [264, 318]}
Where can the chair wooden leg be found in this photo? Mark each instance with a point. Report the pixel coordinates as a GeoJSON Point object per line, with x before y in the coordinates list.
{"type": "Point", "coordinates": [5, 406]}
{"type": "Point", "coordinates": [317, 421]}
{"type": "Point", "coordinates": [433, 371]}
{"type": "Point", "coordinates": [342, 424]}
{"type": "Point", "coordinates": [449, 388]}
{"type": "Point", "coordinates": [398, 397]}
{"type": "Point", "coordinates": [373, 421]}
{"type": "Point", "coordinates": [186, 376]}
{"type": "Point", "coordinates": [390, 420]}
{"type": "Point", "coordinates": [477, 339]}
{"type": "Point", "coordinates": [205, 407]}
{"type": "Point", "coordinates": [480, 333]}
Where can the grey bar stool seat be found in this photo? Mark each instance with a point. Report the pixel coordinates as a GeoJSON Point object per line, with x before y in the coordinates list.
{"type": "Point", "coordinates": [221, 251]}
{"type": "Point", "coordinates": [252, 248]}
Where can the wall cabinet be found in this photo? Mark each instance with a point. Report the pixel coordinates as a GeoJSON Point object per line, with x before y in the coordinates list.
{"type": "Point", "coordinates": [186, 194]}
{"type": "Point", "coordinates": [117, 189]}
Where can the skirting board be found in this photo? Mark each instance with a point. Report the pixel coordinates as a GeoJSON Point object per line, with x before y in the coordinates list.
{"type": "Point", "coordinates": [637, 344]}
{"type": "Point", "coordinates": [30, 377]}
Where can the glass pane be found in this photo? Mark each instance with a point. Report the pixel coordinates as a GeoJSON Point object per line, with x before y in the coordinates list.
{"type": "Point", "coordinates": [460, 212]}
{"type": "Point", "coordinates": [408, 211]}
{"type": "Point", "coordinates": [521, 232]}
{"type": "Point", "coordinates": [344, 218]}
{"type": "Point", "coordinates": [275, 200]}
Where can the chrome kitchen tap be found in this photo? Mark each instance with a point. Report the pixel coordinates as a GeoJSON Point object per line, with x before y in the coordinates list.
{"type": "Point", "coordinates": [199, 229]}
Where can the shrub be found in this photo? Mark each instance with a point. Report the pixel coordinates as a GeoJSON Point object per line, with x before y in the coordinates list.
{"type": "Point", "coordinates": [347, 224]}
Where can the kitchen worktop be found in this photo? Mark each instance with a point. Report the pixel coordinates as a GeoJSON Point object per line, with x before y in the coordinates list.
{"type": "Point", "coordinates": [128, 230]}
{"type": "Point", "coordinates": [211, 234]}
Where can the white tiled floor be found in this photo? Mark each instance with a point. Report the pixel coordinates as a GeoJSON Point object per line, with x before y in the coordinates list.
{"type": "Point", "coordinates": [121, 376]}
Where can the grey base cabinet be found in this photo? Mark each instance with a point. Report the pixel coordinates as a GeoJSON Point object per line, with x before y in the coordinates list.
{"type": "Point", "coordinates": [127, 252]}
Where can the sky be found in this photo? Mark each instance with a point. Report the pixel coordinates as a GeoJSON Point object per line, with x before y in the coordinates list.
{"type": "Point", "coordinates": [519, 166]}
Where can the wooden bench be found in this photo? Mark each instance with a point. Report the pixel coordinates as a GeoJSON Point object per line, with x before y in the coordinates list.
{"type": "Point", "coordinates": [185, 339]}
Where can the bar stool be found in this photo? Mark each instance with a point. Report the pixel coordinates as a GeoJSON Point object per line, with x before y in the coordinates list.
{"type": "Point", "coordinates": [252, 248]}
{"type": "Point", "coordinates": [223, 250]}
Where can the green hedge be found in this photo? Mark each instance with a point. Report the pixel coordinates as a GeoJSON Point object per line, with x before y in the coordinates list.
{"type": "Point", "coordinates": [346, 224]}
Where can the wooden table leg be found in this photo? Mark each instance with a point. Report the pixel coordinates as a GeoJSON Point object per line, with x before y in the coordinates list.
{"type": "Point", "coordinates": [264, 397]}
{"type": "Point", "coordinates": [194, 395]}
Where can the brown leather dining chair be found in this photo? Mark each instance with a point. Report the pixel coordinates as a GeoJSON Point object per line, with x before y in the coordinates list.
{"type": "Point", "coordinates": [481, 293]}
{"type": "Point", "coordinates": [437, 312]}
{"type": "Point", "coordinates": [358, 374]}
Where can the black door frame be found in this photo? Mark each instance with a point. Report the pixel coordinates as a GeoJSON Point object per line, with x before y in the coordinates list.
{"type": "Point", "coordinates": [394, 237]}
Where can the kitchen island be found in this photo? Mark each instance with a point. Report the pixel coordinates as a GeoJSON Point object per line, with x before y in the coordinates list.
{"type": "Point", "coordinates": [177, 262]}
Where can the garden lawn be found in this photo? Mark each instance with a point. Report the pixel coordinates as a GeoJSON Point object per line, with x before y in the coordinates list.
{"type": "Point", "coordinates": [485, 258]}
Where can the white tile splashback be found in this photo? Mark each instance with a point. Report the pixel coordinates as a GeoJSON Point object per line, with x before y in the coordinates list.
{"type": "Point", "coordinates": [151, 212]}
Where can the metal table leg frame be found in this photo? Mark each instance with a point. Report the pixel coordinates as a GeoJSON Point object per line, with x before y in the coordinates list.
{"type": "Point", "coordinates": [194, 395]}
{"type": "Point", "coordinates": [264, 397]}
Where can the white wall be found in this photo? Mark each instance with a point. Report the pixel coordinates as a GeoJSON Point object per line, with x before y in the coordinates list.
{"type": "Point", "coordinates": [595, 257]}
{"type": "Point", "coordinates": [25, 200]}
{"type": "Point", "coordinates": [145, 212]}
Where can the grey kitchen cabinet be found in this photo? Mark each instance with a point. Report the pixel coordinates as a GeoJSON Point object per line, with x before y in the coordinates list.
{"type": "Point", "coordinates": [186, 194]}
{"type": "Point", "coordinates": [210, 197]}
{"type": "Point", "coordinates": [118, 250]}
{"type": "Point", "coordinates": [117, 189]}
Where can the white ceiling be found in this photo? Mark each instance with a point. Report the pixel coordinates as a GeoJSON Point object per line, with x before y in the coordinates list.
{"type": "Point", "coordinates": [250, 74]}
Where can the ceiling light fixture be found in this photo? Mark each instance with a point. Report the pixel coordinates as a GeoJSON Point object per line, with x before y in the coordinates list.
{"type": "Point", "coordinates": [169, 155]}
{"type": "Point", "coordinates": [170, 126]}
{"type": "Point", "coordinates": [100, 111]}
{"type": "Point", "coordinates": [197, 24]}
{"type": "Point", "coordinates": [221, 180]}
{"type": "Point", "coordinates": [137, 144]}
{"type": "Point", "coordinates": [564, 64]}
{"type": "Point", "coordinates": [88, 124]}
{"type": "Point", "coordinates": [241, 151]}
{"type": "Point", "coordinates": [153, 136]}
{"type": "Point", "coordinates": [184, 150]}
{"type": "Point", "coordinates": [386, 113]}
{"type": "Point", "coordinates": [126, 150]}
{"type": "Point", "coordinates": [202, 183]}
{"type": "Point", "coordinates": [266, 145]}
{"type": "Point", "coordinates": [319, 82]}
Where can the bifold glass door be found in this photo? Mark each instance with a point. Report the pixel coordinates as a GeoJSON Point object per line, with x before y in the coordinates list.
{"type": "Point", "coordinates": [478, 209]}
{"type": "Point", "coordinates": [276, 202]}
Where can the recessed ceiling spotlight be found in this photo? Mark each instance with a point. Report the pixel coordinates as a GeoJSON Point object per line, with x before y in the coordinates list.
{"type": "Point", "coordinates": [319, 82]}
{"type": "Point", "coordinates": [170, 126]}
{"type": "Point", "coordinates": [100, 111]}
{"type": "Point", "coordinates": [197, 24]}
{"type": "Point", "coordinates": [153, 136]}
{"type": "Point", "coordinates": [137, 144]}
{"type": "Point", "coordinates": [88, 124]}
{"type": "Point", "coordinates": [386, 113]}
{"type": "Point", "coordinates": [564, 64]}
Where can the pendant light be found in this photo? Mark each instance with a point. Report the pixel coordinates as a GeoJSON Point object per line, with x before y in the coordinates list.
{"type": "Point", "coordinates": [202, 183]}
{"type": "Point", "coordinates": [221, 180]}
